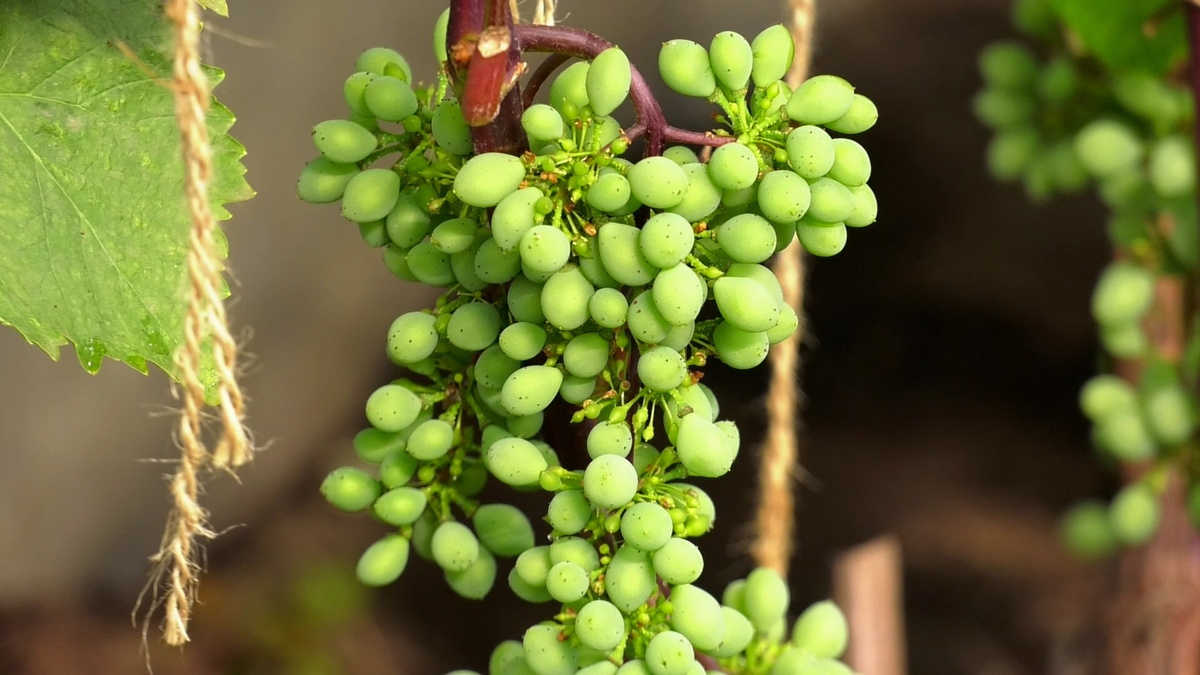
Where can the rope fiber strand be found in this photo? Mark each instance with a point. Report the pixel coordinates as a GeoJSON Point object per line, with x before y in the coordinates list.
{"type": "Point", "coordinates": [175, 577]}
{"type": "Point", "coordinates": [774, 517]}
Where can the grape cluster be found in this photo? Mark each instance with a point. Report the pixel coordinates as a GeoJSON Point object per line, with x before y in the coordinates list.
{"type": "Point", "coordinates": [1064, 124]}
{"type": "Point", "coordinates": [576, 275]}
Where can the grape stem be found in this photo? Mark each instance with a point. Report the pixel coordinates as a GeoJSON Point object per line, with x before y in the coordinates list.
{"type": "Point", "coordinates": [575, 42]}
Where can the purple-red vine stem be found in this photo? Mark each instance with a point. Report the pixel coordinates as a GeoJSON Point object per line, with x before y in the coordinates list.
{"type": "Point", "coordinates": [582, 44]}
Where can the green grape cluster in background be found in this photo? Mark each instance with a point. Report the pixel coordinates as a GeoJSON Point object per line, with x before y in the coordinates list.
{"type": "Point", "coordinates": [1065, 120]}
{"type": "Point", "coordinates": [574, 274]}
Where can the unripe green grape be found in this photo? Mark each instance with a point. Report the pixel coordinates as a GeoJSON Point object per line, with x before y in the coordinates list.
{"type": "Point", "coordinates": [593, 269]}
{"type": "Point", "coordinates": [600, 625]}
{"type": "Point", "coordinates": [390, 99]}
{"type": "Point", "coordinates": [1123, 294]}
{"type": "Point", "coordinates": [738, 348]}
{"type": "Point", "coordinates": [1135, 513]}
{"type": "Point", "coordinates": [400, 506]}
{"type": "Point", "coordinates": [525, 300]}
{"type": "Point", "coordinates": [679, 337]}
{"type": "Point", "coordinates": [412, 337]}
{"type": "Point", "coordinates": [1065, 168]}
{"type": "Point", "coordinates": [384, 561]}
{"type": "Point", "coordinates": [575, 550]}
{"type": "Point", "coordinates": [1009, 65]}
{"type": "Point", "coordinates": [610, 193]}
{"type": "Point", "coordinates": [568, 91]}
{"type": "Point", "coordinates": [822, 630]}
{"type": "Point", "coordinates": [568, 512]}
{"type": "Point", "coordinates": [820, 100]}
{"type": "Point", "coordinates": [661, 369]}
{"type": "Point", "coordinates": [821, 239]}
{"type": "Point", "coordinates": [397, 469]}
{"type": "Point", "coordinates": [494, 366]}
{"type": "Point", "coordinates": [1170, 413]}
{"type": "Point", "coordinates": [697, 616]}
{"type": "Point", "coordinates": [530, 389]}
{"type": "Point", "coordinates": [703, 448]}
{"type": "Point", "coordinates": [681, 155]}
{"type": "Point", "coordinates": [586, 355]}
{"type": "Point", "coordinates": [377, 59]}
{"type": "Point", "coordinates": [463, 266]}
{"type": "Point", "coordinates": [565, 298]}
{"type": "Point", "coordinates": [608, 307]}
{"type": "Point", "coordinates": [522, 341]}
{"type": "Point", "coordinates": [634, 667]}
{"type": "Point", "coordinates": [658, 182]}
{"type": "Point", "coordinates": [1148, 96]}
{"type": "Point", "coordinates": [738, 633]}
{"type": "Point", "coordinates": [620, 252]}
{"type": "Point", "coordinates": [762, 274]}
{"type": "Point", "coordinates": [694, 397]}
{"type": "Point", "coordinates": [430, 265]}
{"type": "Point", "coordinates": [685, 68]}
{"type": "Point", "coordinates": [609, 481]}
{"type": "Point", "coordinates": [533, 564]}
{"type": "Point", "coordinates": [607, 81]}
{"type": "Point", "coordinates": [503, 529]}
{"type": "Point", "coordinates": [831, 202]}
{"type": "Point", "coordinates": [629, 580]}
{"type": "Point", "coordinates": [1004, 109]}
{"type": "Point", "coordinates": [851, 165]}
{"type": "Point", "coordinates": [643, 456]}
{"type": "Point", "coordinates": [515, 461]}
{"type": "Point", "coordinates": [486, 179]}
{"type": "Point", "coordinates": [514, 216]}
{"type": "Point", "coordinates": [494, 265]}
{"type": "Point", "coordinates": [396, 260]}
{"type": "Point", "coordinates": [1124, 340]}
{"type": "Point", "coordinates": [545, 249]}
{"type": "Point", "coordinates": [861, 116]}
{"type": "Point", "coordinates": [773, 51]}
{"type": "Point", "coordinates": [567, 582]}
{"type": "Point", "coordinates": [576, 390]}
{"type": "Point", "coordinates": [645, 322]}
{"type": "Point", "coordinates": [374, 234]}
{"type": "Point", "coordinates": [526, 426]}
{"type": "Point", "coordinates": [407, 223]}
{"type": "Point", "coordinates": [477, 580]}
{"type": "Point", "coordinates": [678, 561]}
{"type": "Point", "coordinates": [669, 653]}
{"type": "Point", "coordinates": [732, 59]}
{"type": "Point", "coordinates": [454, 235]}
{"type": "Point", "coordinates": [1172, 166]}
{"type": "Point", "coordinates": [370, 195]}
{"type": "Point", "coordinates": [783, 196]}
{"type": "Point", "coordinates": [666, 239]}
{"type": "Point", "coordinates": [373, 445]}
{"type": "Point", "coordinates": [746, 238]}
{"type": "Point", "coordinates": [702, 197]}
{"type": "Point", "coordinates": [324, 181]}
{"type": "Point", "coordinates": [450, 129]}
{"type": "Point", "coordinates": [430, 440]}
{"type": "Point", "coordinates": [343, 141]}
{"type": "Point", "coordinates": [746, 304]}
{"type": "Point", "coordinates": [542, 122]}
{"type": "Point", "coordinates": [1087, 532]}
{"type": "Point", "coordinates": [528, 593]}
{"type": "Point", "coordinates": [350, 489]}
{"type": "Point", "coordinates": [392, 407]}
{"type": "Point", "coordinates": [1011, 152]}
{"type": "Point", "coordinates": [679, 293]}
{"type": "Point", "coordinates": [788, 323]}
{"type": "Point", "coordinates": [1106, 395]}
{"type": "Point", "coordinates": [732, 436]}
{"type": "Point", "coordinates": [454, 546]}
{"type": "Point", "coordinates": [546, 654]}
{"type": "Point", "coordinates": [354, 91]}
{"type": "Point", "coordinates": [765, 598]}
{"type": "Point", "coordinates": [609, 439]}
{"type": "Point", "coordinates": [736, 199]}
{"type": "Point", "coordinates": [810, 151]}
{"type": "Point", "coordinates": [733, 166]}
{"type": "Point", "coordinates": [1058, 81]}
{"type": "Point", "coordinates": [646, 526]}
{"type": "Point", "coordinates": [1106, 147]}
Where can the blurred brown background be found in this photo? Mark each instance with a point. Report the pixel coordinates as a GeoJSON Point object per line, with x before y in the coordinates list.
{"type": "Point", "coordinates": [948, 342]}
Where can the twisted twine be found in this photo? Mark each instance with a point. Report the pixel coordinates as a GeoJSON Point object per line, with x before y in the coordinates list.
{"type": "Point", "coordinates": [774, 517]}
{"type": "Point", "coordinates": [176, 564]}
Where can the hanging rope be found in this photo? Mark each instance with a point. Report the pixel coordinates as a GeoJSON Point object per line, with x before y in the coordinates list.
{"type": "Point", "coordinates": [176, 564]}
{"type": "Point", "coordinates": [774, 518]}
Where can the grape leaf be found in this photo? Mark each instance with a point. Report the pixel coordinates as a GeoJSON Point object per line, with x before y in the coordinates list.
{"type": "Point", "coordinates": [218, 6]}
{"type": "Point", "coordinates": [1128, 34]}
{"type": "Point", "coordinates": [93, 230]}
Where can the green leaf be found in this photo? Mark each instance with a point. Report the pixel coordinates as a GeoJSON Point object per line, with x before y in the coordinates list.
{"type": "Point", "coordinates": [93, 231]}
{"type": "Point", "coordinates": [1128, 34]}
{"type": "Point", "coordinates": [218, 6]}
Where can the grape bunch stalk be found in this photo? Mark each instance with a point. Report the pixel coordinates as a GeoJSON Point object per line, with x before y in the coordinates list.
{"type": "Point", "coordinates": [576, 275]}
{"type": "Point", "coordinates": [1069, 121]}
